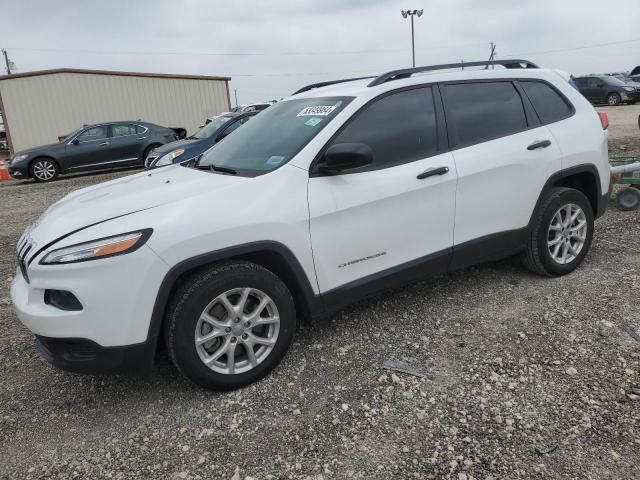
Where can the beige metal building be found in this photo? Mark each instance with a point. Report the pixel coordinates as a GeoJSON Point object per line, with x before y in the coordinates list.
{"type": "Point", "coordinates": [39, 106]}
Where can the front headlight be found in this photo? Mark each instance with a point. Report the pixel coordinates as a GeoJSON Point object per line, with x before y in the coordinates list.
{"type": "Point", "coordinates": [629, 89]}
{"type": "Point", "coordinates": [18, 158]}
{"type": "Point", "coordinates": [102, 248]}
{"type": "Point", "coordinates": [169, 157]}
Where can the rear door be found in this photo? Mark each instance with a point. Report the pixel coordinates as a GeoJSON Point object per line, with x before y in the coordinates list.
{"type": "Point", "coordinates": [386, 218]}
{"type": "Point", "coordinates": [503, 156]}
{"type": "Point", "coordinates": [595, 90]}
{"type": "Point", "coordinates": [127, 145]}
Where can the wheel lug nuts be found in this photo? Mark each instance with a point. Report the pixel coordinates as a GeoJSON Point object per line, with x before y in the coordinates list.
{"type": "Point", "coordinates": [228, 329]}
{"type": "Point", "coordinates": [247, 324]}
{"type": "Point", "coordinates": [233, 339]}
{"type": "Point", "coordinates": [237, 320]}
{"type": "Point", "coordinates": [245, 336]}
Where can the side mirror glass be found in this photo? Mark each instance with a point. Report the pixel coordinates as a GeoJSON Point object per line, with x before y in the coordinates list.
{"type": "Point", "coordinates": [75, 141]}
{"type": "Point", "coordinates": [346, 156]}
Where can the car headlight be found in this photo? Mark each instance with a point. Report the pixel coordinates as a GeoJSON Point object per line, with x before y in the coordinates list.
{"type": "Point", "coordinates": [101, 248]}
{"type": "Point", "coordinates": [18, 158]}
{"type": "Point", "coordinates": [169, 157]}
{"type": "Point", "coordinates": [629, 89]}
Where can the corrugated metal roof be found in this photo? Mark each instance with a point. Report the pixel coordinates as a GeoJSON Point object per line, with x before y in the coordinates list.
{"type": "Point", "coordinates": [37, 73]}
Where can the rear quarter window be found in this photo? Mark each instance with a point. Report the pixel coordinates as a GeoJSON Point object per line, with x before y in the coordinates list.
{"type": "Point", "coordinates": [547, 102]}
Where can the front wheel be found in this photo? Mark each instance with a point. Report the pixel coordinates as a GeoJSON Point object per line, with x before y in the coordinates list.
{"type": "Point", "coordinates": [44, 170]}
{"type": "Point", "coordinates": [614, 99]}
{"type": "Point", "coordinates": [561, 233]}
{"type": "Point", "coordinates": [230, 325]}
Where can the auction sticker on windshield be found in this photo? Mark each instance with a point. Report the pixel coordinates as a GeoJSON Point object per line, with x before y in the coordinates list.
{"type": "Point", "coordinates": [317, 111]}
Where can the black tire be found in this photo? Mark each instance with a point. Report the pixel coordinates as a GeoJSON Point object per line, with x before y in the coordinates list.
{"type": "Point", "coordinates": [190, 300]}
{"type": "Point", "coordinates": [44, 169]}
{"type": "Point", "coordinates": [628, 199]}
{"type": "Point", "coordinates": [613, 99]}
{"type": "Point", "coordinates": [537, 257]}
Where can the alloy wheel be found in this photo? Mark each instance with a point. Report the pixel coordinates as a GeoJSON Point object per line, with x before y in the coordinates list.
{"type": "Point", "coordinates": [567, 233]}
{"type": "Point", "coordinates": [44, 170]}
{"type": "Point", "coordinates": [237, 331]}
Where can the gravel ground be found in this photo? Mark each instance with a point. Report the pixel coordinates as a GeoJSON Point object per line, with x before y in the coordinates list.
{"type": "Point", "coordinates": [526, 377]}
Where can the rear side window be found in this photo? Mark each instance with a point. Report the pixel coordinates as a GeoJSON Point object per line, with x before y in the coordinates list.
{"type": "Point", "coordinates": [399, 128]}
{"type": "Point", "coordinates": [548, 103]}
{"type": "Point", "coordinates": [477, 112]}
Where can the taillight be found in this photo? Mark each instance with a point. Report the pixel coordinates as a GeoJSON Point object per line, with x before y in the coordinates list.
{"type": "Point", "coordinates": [604, 120]}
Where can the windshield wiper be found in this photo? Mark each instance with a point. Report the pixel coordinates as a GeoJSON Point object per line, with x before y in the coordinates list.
{"type": "Point", "coordinates": [215, 168]}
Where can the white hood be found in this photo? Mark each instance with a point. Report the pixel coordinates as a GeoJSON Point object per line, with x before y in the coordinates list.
{"type": "Point", "coordinates": [122, 196]}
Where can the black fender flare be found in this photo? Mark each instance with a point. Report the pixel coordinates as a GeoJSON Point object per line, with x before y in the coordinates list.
{"type": "Point", "coordinates": [601, 202]}
{"type": "Point", "coordinates": [312, 301]}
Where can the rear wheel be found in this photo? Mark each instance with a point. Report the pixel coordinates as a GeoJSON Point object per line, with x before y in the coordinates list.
{"type": "Point", "coordinates": [561, 233]}
{"type": "Point", "coordinates": [229, 325]}
{"type": "Point", "coordinates": [628, 199]}
{"type": "Point", "coordinates": [614, 99]}
{"type": "Point", "coordinates": [44, 170]}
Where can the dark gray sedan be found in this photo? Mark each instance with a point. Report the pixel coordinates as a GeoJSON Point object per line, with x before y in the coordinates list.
{"type": "Point", "coordinates": [92, 147]}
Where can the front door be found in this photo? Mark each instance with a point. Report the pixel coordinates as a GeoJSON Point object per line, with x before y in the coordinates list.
{"type": "Point", "coordinates": [389, 218]}
{"type": "Point", "coordinates": [88, 150]}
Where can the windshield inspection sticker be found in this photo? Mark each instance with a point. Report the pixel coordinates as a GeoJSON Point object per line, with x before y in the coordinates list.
{"type": "Point", "coordinates": [275, 160]}
{"type": "Point", "coordinates": [312, 122]}
{"type": "Point", "coordinates": [317, 111]}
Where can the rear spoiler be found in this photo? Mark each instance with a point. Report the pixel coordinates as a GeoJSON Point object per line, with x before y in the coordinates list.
{"type": "Point", "coordinates": [180, 132]}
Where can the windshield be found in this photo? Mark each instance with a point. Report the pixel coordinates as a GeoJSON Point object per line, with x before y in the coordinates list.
{"type": "Point", "coordinates": [272, 138]}
{"type": "Point", "coordinates": [210, 128]}
{"type": "Point", "coordinates": [614, 81]}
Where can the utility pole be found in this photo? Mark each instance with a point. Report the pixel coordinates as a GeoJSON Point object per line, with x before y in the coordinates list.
{"type": "Point", "coordinates": [7, 62]}
{"type": "Point", "coordinates": [493, 54]}
{"type": "Point", "coordinates": [411, 13]}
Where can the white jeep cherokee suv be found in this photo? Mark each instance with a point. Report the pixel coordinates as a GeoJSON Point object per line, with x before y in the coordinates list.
{"type": "Point", "coordinates": [342, 190]}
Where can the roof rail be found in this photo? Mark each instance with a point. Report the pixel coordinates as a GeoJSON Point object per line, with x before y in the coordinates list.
{"type": "Point", "coordinates": [407, 72]}
{"type": "Point", "coordinates": [331, 82]}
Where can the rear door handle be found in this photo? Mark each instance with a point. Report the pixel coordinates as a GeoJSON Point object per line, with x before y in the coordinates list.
{"type": "Point", "coordinates": [432, 172]}
{"type": "Point", "coordinates": [104, 144]}
{"type": "Point", "coordinates": [539, 144]}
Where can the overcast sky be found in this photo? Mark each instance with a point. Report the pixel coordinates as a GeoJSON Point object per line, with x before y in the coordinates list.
{"type": "Point", "coordinates": [272, 47]}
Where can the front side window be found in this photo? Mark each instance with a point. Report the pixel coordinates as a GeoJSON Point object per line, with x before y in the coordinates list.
{"type": "Point", "coordinates": [548, 103]}
{"type": "Point", "coordinates": [274, 136]}
{"type": "Point", "coordinates": [399, 128]}
{"type": "Point", "coordinates": [478, 112]}
{"type": "Point", "coordinates": [94, 133]}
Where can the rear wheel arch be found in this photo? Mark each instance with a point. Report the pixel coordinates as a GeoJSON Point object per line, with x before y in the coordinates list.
{"type": "Point", "coordinates": [584, 178]}
{"type": "Point", "coordinates": [273, 256]}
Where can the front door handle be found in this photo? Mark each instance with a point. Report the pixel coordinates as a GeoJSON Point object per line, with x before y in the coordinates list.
{"type": "Point", "coordinates": [539, 144]}
{"type": "Point", "coordinates": [104, 144]}
{"type": "Point", "coordinates": [432, 172]}
{"type": "Point", "coordinates": [141, 138]}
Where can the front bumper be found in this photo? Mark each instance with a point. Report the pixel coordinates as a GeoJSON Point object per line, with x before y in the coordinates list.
{"type": "Point", "coordinates": [117, 295]}
{"type": "Point", "coordinates": [17, 171]}
{"type": "Point", "coordinates": [84, 356]}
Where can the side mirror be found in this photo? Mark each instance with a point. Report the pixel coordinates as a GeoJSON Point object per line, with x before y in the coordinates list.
{"type": "Point", "coordinates": [75, 141]}
{"type": "Point", "coordinates": [345, 156]}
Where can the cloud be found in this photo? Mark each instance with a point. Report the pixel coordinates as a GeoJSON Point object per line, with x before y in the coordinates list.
{"type": "Point", "coordinates": [274, 47]}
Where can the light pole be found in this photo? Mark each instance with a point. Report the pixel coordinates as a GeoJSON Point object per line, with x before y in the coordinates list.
{"type": "Point", "coordinates": [411, 13]}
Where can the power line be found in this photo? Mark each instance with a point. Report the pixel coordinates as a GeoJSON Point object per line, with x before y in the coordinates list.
{"type": "Point", "coordinates": [583, 47]}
